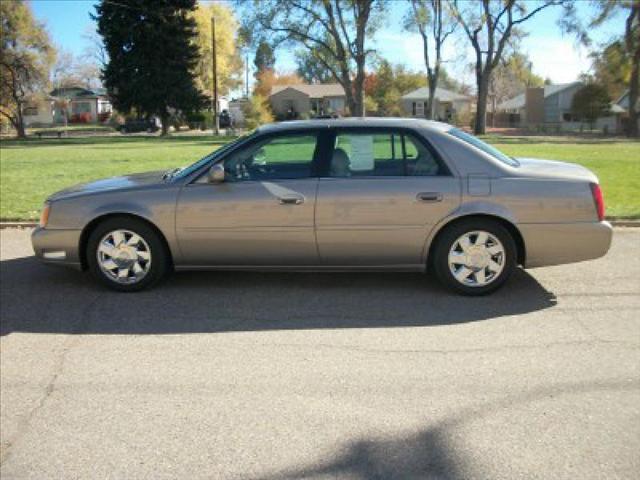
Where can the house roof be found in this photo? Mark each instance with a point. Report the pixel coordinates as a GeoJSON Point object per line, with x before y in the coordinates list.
{"type": "Point", "coordinates": [519, 100]}
{"type": "Point", "coordinates": [319, 90]}
{"type": "Point", "coordinates": [441, 94]}
{"type": "Point", "coordinates": [79, 92]}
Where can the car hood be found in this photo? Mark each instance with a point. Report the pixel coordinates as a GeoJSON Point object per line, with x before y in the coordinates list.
{"type": "Point", "coordinates": [536, 167]}
{"type": "Point", "coordinates": [125, 182]}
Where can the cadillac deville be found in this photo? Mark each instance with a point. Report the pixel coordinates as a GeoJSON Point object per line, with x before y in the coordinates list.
{"type": "Point", "coordinates": [333, 195]}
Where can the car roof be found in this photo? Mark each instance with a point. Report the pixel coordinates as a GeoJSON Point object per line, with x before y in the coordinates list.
{"type": "Point", "coordinates": [375, 122]}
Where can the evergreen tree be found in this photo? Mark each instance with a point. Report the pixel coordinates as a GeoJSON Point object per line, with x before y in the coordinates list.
{"type": "Point", "coordinates": [152, 51]}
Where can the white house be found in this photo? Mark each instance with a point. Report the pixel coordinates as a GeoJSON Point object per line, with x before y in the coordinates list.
{"type": "Point", "coordinates": [449, 105]}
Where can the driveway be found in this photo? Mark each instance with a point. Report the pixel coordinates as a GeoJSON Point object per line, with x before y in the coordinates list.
{"type": "Point", "coordinates": [363, 376]}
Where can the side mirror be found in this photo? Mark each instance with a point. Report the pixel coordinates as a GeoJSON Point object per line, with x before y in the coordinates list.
{"type": "Point", "coordinates": [216, 173]}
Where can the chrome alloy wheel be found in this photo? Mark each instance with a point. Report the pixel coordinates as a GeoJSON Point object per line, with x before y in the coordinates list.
{"type": "Point", "coordinates": [124, 256]}
{"type": "Point", "coordinates": [477, 258]}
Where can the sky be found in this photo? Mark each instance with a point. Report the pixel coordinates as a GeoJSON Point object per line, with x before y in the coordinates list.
{"type": "Point", "coordinates": [554, 55]}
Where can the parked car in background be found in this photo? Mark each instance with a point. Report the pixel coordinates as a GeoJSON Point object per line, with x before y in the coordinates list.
{"type": "Point", "coordinates": [150, 125]}
{"type": "Point", "coordinates": [224, 119]}
{"type": "Point", "coordinates": [348, 194]}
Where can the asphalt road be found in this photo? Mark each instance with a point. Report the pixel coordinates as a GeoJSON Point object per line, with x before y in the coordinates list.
{"type": "Point", "coordinates": [363, 376]}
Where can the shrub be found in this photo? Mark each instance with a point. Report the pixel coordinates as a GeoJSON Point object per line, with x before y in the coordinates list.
{"type": "Point", "coordinates": [256, 112]}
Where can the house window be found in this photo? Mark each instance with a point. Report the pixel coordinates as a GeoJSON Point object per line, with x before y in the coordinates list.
{"type": "Point", "coordinates": [569, 117]}
{"type": "Point", "coordinates": [81, 107]}
{"type": "Point", "coordinates": [30, 111]}
{"type": "Point", "coordinates": [419, 109]}
{"type": "Point", "coordinates": [413, 108]}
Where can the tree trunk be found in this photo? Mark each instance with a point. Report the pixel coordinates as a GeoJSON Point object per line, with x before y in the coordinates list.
{"type": "Point", "coordinates": [482, 79]}
{"type": "Point", "coordinates": [359, 94]}
{"type": "Point", "coordinates": [430, 111]}
{"type": "Point", "coordinates": [634, 87]}
{"type": "Point", "coordinates": [164, 119]}
{"type": "Point", "coordinates": [20, 130]}
{"type": "Point", "coordinates": [19, 123]}
{"type": "Point", "coordinates": [633, 101]}
{"type": "Point", "coordinates": [632, 44]}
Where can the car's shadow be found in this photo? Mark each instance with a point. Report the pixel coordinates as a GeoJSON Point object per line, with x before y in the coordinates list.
{"type": "Point", "coordinates": [39, 298]}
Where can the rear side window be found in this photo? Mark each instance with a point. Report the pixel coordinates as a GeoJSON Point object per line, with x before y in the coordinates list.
{"type": "Point", "coordinates": [378, 154]}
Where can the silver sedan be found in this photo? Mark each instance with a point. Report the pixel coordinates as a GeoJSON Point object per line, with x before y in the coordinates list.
{"type": "Point", "coordinates": [352, 194]}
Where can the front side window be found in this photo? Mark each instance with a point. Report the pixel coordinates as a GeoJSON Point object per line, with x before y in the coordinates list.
{"type": "Point", "coordinates": [282, 157]}
{"type": "Point", "coordinates": [389, 154]}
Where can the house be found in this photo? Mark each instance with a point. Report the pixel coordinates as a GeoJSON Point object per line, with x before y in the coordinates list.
{"type": "Point", "coordinates": [448, 105]}
{"type": "Point", "coordinates": [550, 106]}
{"type": "Point", "coordinates": [83, 105]}
{"type": "Point", "coordinates": [622, 107]}
{"type": "Point", "coordinates": [295, 101]}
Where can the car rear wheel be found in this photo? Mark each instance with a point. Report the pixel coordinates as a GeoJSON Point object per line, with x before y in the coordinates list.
{"type": "Point", "coordinates": [126, 254]}
{"type": "Point", "coordinates": [474, 257]}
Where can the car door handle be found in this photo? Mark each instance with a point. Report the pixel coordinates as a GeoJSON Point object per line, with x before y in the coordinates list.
{"type": "Point", "coordinates": [429, 197]}
{"type": "Point", "coordinates": [292, 200]}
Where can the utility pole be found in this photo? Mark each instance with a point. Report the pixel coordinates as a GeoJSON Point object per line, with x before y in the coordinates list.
{"type": "Point", "coordinates": [214, 103]}
{"type": "Point", "coordinates": [246, 75]}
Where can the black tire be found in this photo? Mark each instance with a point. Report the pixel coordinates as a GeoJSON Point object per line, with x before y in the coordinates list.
{"type": "Point", "coordinates": [449, 236]}
{"type": "Point", "coordinates": [160, 258]}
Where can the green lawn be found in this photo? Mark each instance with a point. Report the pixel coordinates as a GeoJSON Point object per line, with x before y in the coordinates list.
{"type": "Point", "coordinates": [31, 170]}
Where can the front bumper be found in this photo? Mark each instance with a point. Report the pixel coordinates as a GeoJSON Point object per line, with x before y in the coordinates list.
{"type": "Point", "coordinates": [59, 247]}
{"type": "Point", "coordinates": [557, 243]}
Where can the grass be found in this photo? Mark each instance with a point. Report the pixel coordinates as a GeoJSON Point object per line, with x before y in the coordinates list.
{"type": "Point", "coordinates": [30, 170]}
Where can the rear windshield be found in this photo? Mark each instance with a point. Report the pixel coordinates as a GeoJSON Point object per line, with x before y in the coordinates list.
{"type": "Point", "coordinates": [485, 147]}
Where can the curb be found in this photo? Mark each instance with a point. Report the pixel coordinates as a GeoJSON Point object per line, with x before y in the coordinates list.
{"type": "Point", "coordinates": [4, 225]}
{"type": "Point", "coordinates": [615, 223]}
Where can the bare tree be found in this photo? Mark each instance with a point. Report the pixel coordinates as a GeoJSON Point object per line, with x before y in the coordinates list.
{"type": "Point", "coordinates": [489, 25]}
{"type": "Point", "coordinates": [433, 21]}
{"type": "Point", "coordinates": [334, 30]}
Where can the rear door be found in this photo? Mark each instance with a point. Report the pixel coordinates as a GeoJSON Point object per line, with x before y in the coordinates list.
{"type": "Point", "coordinates": [383, 192]}
{"type": "Point", "coordinates": [262, 214]}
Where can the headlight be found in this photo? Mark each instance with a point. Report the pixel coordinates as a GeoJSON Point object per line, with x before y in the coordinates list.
{"type": "Point", "coordinates": [44, 216]}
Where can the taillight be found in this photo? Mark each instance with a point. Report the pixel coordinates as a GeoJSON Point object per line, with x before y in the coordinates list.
{"type": "Point", "coordinates": [598, 200]}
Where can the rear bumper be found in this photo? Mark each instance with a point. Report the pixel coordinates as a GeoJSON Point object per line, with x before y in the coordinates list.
{"type": "Point", "coordinates": [557, 243]}
{"type": "Point", "coordinates": [60, 247]}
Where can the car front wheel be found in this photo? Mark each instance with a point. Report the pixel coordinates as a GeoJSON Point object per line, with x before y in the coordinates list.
{"type": "Point", "coordinates": [126, 255]}
{"type": "Point", "coordinates": [475, 256]}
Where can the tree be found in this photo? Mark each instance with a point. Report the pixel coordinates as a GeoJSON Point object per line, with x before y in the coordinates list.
{"type": "Point", "coordinates": [71, 71]}
{"type": "Point", "coordinates": [229, 65]}
{"type": "Point", "coordinates": [152, 56]}
{"type": "Point", "coordinates": [510, 78]}
{"type": "Point", "coordinates": [265, 58]}
{"type": "Point", "coordinates": [590, 102]}
{"type": "Point", "coordinates": [256, 112]}
{"type": "Point", "coordinates": [434, 23]}
{"type": "Point", "coordinates": [25, 57]}
{"type": "Point", "coordinates": [267, 79]}
{"type": "Point", "coordinates": [335, 30]}
{"type": "Point", "coordinates": [311, 69]}
{"type": "Point", "coordinates": [606, 10]}
{"type": "Point", "coordinates": [612, 67]}
{"type": "Point", "coordinates": [388, 83]}
{"type": "Point", "coordinates": [490, 25]}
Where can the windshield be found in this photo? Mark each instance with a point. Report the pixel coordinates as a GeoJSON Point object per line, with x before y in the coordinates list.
{"type": "Point", "coordinates": [183, 172]}
{"type": "Point", "coordinates": [485, 147]}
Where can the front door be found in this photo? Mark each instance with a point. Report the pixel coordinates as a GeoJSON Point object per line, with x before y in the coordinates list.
{"type": "Point", "coordinates": [261, 215]}
{"type": "Point", "coordinates": [384, 193]}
